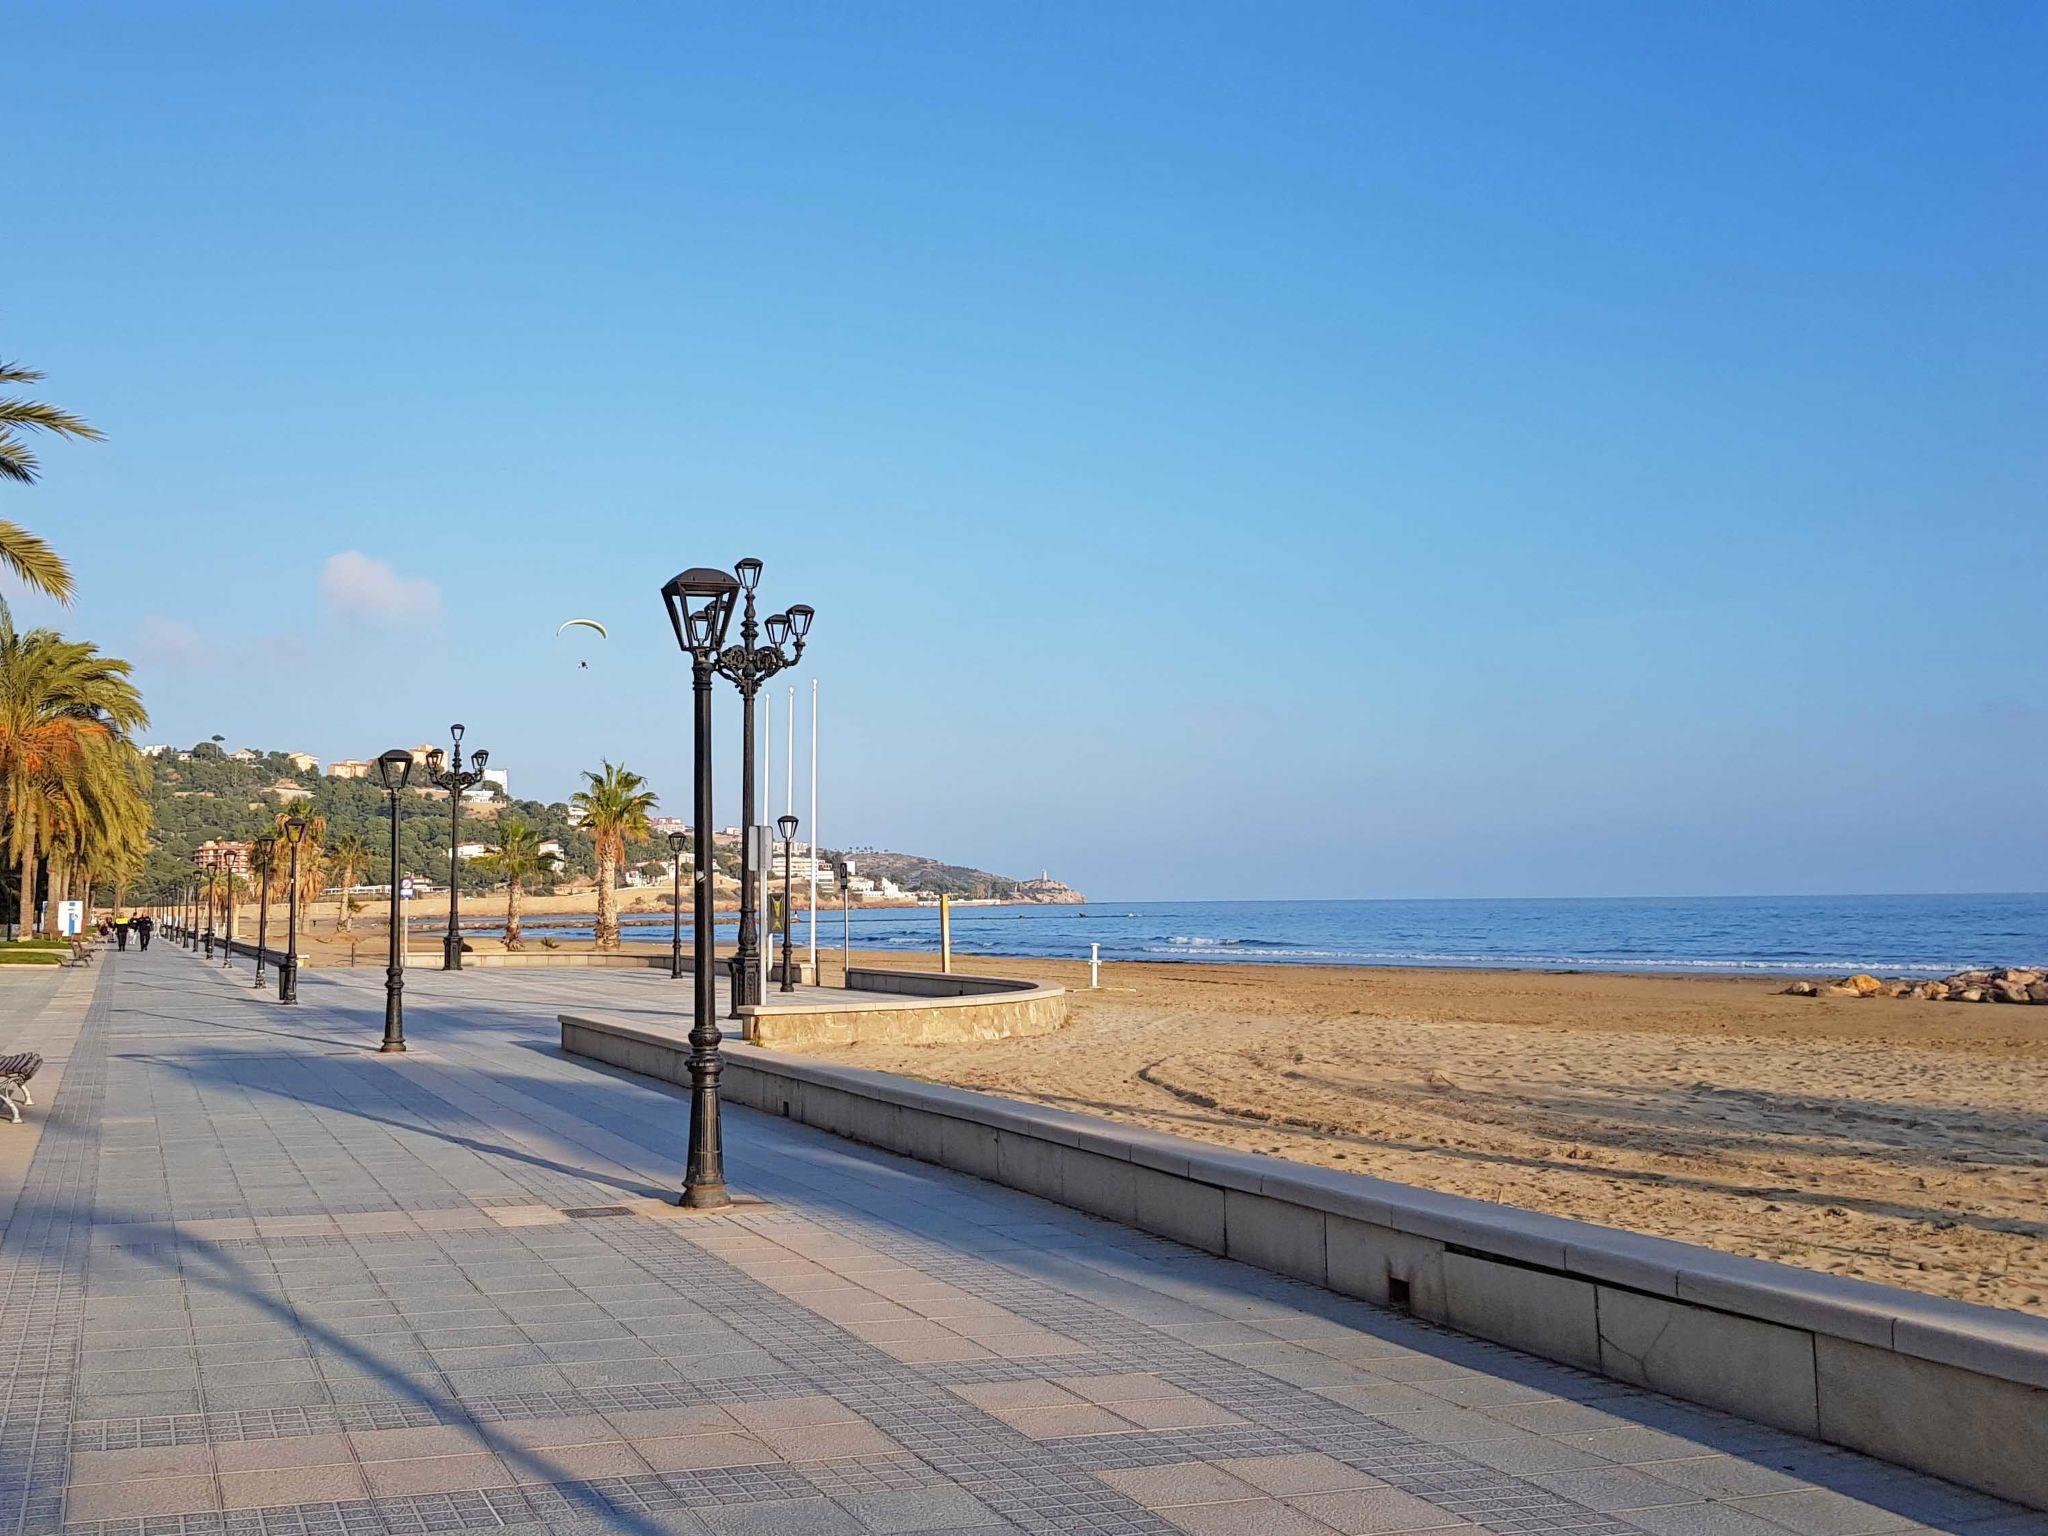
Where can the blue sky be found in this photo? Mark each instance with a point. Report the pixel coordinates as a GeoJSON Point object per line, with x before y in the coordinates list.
{"type": "Point", "coordinates": [1234, 450]}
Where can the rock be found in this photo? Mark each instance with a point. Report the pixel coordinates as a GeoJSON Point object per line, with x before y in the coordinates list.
{"type": "Point", "coordinates": [1968, 995]}
{"type": "Point", "coordinates": [2009, 992]}
{"type": "Point", "coordinates": [1840, 989]}
{"type": "Point", "coordinates": [2025, 976]}
{"type": "Point", "coordinates": [1970, 978]}
{"type": "Point", "coordinates": [1862, 985]}
{"type": "Point", "coordinates": [2039, 992]}
{"type": "Point", "coordinates": [1802, 989]}
{"type": "Point", "coordinates": [1934, 991]}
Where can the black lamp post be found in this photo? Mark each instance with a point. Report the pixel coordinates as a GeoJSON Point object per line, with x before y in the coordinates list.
{"type": "Point", "coordinates": [748, 665]}
{"type": "Point", "coordinates": [230, 861]}
{"type": "Point", "coordinates": [393, 769]}
{"type": "Point", "coordinates": [288, 972]}
{"type": "Point", "coordinates": [786, 825]}
{"type": "Point", "coordinates": [451, 778]}
{"type": "Point", "coordinates": [209, 860]}
{"type": "Point", "coordinates": [266, 862]}
{"type": "Point", "coordinates": [700, 604]}
{"type": "Point", "coordinates": [676, 840]}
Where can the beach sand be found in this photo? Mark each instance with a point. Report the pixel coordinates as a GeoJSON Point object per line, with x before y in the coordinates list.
{"type": "Point", "coordinates": [1895, 1141]}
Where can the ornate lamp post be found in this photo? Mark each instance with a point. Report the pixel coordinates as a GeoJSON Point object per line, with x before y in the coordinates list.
{"type": "Point", "coordinates": [786, 825]}
{"type": "Point", "coordinates": [288, 972]}
{"type": "Point", "coordinates": [747, 666]}
{"type": "Point", "coordinates": [393, 769]}
{"type": "Point", "coordinates": [209, 860]}
{"type": "Point", "coordinates": [700, 604]}
{"type": "Point", "coordinates": [230, 860]}
{"type": "Point", "coordinates": [451, 778]}
{"type": "Point", "coordinates": [676, 840]}
{"type": "Point", "coordinates": [266, 863]}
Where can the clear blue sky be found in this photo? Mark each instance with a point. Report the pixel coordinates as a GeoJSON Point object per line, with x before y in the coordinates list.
{"type": "Point", "coordinates": [1258, 450]}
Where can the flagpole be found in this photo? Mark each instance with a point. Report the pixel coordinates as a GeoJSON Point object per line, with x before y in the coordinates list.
{"type": "Point", "coordinates": [813, 897]}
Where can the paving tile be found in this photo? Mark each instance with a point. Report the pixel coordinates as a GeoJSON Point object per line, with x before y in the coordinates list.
{"type": "Point", "coordinates": [283, 1451]}
{"type": "Point", "coordinates": [1257, 1517]}
{"type": "Point", "coordinates": [144, 1462]}
{"type": "Point", "coordinates": [676, 1453]}
{"type": "Point", "coordinates": [1061, 1423]}
{"type": "Point", "coordinates": [793, 1412]}
{"type": "Point", "coordinates": [292, 1485]}
{"type": "Point", "coordinates": [1186, 1482]}
{"type": "Point", "coordinates": [1374, 1511]}
{"type": "Point", "coordinates": [141, 1499]}
{"type": "Point", "coordinates": [1308, 1472]}
{"type": "Point", "coordinates": [436, 1474]}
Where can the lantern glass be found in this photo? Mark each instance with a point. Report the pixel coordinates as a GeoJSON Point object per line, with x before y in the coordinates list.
{"type": "Point", "coordinates": [295, 830]}
{"type": "Point", "coordinates": [800, 616]}
{"type": "Point", "coordinates": [749, 573]}
{"type": "Point", "coordinates": [786, 825]}
{"type": "Point", "coordinates": [777, 626]}
{"type": "Point", "coordinates": [394, 768]}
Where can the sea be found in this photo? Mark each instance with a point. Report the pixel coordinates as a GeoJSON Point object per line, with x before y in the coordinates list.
{"type": "Point", "coordinates": [1792, 935]}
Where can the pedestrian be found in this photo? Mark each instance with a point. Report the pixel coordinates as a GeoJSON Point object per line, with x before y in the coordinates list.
{"type": "Point", "coordinates": [121, 933]}
{"type": "Point", "coordinates": [145, 927]}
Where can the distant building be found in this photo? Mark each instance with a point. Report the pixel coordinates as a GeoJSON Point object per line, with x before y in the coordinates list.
{"type": "Point", "coordinates": [479, 796]}
{"type": "Point", "coordinates": [549, 848]}
{"type": "Point", "coordinates": [350, 768]}
{"type": "Point", "coordinates": [499, 777]}
{"type": "Point", "coordinates": [156, 749]}
{"type": "Point", "coordinates": [661, 826]}
{"type": "Point", "coordinates": [304, 762]}
{"type": "Point", "coordinates": [473, 850]}
{"type": "Point", "coordinates": [242, 755]}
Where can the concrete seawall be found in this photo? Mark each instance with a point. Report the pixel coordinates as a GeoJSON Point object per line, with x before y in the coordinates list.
{"type": "Point", "coordinates": [1945, 1387]}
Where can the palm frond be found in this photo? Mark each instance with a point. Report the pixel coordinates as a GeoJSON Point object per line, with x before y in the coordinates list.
{"type": "Point", "coordinates": [39, 566]}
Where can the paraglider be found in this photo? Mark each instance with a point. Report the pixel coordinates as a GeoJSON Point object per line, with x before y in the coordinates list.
{"type": "Point", "coordinates": [591, 624]}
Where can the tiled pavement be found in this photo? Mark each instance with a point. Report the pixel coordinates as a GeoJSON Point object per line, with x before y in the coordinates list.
{"type": "Point", "coordinates": [263, 1280]}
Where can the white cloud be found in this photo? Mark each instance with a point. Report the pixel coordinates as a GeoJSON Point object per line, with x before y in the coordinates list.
{"type": "Point", "coordinates": [358, 587]}
{"type": "Point", "coordinates": [171, 643]}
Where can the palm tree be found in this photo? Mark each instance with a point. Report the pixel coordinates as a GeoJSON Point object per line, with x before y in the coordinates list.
{"type": "Point", "coordinates": [312, 856]}
{"type": "Point", "coordinates": [614, 805]}
{"type": "Point", "coordinates": [519, 859]}
{"type": "Point", "coordinates": [38, 565]}
{"type": "Point", "coordinates": [66, 764]}
{"type": "Point", "coordinates": [350, 856]}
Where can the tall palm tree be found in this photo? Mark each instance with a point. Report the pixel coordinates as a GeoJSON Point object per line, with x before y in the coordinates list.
{"type": "Point", "coordinates": [312, 856]}
{"type": "Point", "coordinates": [519, 859]}
{"type": "Point", "coordinates": [615, 805]}
{"type": "Point", "coordinates": [65, 758]}
{"type": "Point", "coordinates": [348, 855]}
{"type": "Point", "coordinates": [38, 565]}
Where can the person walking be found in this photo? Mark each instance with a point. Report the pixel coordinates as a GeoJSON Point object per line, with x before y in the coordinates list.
{"type": "Point", "coordinates": [145, 927]}
{"type": "Point", "coordinates": [121, 933]}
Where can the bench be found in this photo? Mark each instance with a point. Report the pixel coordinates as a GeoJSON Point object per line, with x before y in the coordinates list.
{"type": "Point", "coordinates": [15, 1071]}
{"type": "Point", "coordinates": [82, 952]}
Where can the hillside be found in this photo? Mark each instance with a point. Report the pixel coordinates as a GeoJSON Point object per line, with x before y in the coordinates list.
{"type": "Point", "coordinates": [915, 872]}
{"type": "Point", "coordinates": [205, 793]}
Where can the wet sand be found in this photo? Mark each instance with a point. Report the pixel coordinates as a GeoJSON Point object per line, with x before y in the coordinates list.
{"type": "Point", "coordinates": [1902, 1142]}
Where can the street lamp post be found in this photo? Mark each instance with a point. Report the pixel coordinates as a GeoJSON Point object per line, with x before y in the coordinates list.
{"type": "Point", "coordinates": [230, 860]}
{"type": "Point", "coordinates": [676, 840]}
{"type": "Point", "coordinates": [209, 860]}
{"type": "Point", "coordinates": [393, 769]}
{"type": "Point", "coordinates": [842, 876]}
{"type": "Point", "coordinates": [700, 603]}
{"type": "Point", "coordinates": [192, 913]}
{"type": "Point", "coordinates": [451, 778]}
{"type": "Point", "coordinates": [786, 825]}
{"type": "Point", "coordinates": [288, 972]}
{"type": "Point", "coordinates": [266, 862]}
{"type": "Point", "coordinates": [747, 666]}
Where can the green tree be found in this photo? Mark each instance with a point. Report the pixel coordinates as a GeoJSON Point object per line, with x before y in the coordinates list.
{"type": "Point", "coordinates": [348, 856]}
{"type": "Point", "coordinates": [69, 777]}
{"type": "Point", "coordinates": [22, 552]}
{"type": "Point", "coordinates": [519, 859]}
{"type": "Point", "coordinates": [614, 805]}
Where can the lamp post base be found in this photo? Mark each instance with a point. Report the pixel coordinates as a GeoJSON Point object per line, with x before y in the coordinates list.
{"type": "Point", "coordinates": [390, 1046]}
{"type": "Point", "coordinates": [451, 952]}
{"type": "Point", "coordinates": [704, 1197]}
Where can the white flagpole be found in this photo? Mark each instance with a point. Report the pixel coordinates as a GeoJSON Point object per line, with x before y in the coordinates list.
{"type": "Point", "coordinates": [813, 898]}
{"type": "Point", "coordinates": [789, 757]}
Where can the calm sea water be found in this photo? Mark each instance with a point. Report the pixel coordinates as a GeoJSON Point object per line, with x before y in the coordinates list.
{"type": "Point", "coordinates": [1899, 935]}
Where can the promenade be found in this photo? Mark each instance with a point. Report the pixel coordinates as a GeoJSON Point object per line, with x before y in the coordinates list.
{"type": "Point", "coordinates": [257, 1278]}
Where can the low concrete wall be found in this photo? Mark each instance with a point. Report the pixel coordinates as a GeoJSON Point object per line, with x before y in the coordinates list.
{"type": "Point", "coordinates": [1945, 1387]}
{"type": "Point", "coordinates": [549, 959]}
{"type": "Point", "coordinates": [937, 1009]}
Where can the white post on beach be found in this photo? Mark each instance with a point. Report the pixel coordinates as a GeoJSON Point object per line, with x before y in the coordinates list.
{"type": "Point", "coordinates": [814, 830]}
{"type": "Point", "coordinates": [1094, 967]}
{"type": "Point", "coordinates": [945, 932]}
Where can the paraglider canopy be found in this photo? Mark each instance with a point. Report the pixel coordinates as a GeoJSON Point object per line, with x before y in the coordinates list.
{"type": "Point", "coordinates": [586, 623]}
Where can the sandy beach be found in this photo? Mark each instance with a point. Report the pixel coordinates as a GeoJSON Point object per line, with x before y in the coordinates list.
{"type": "Point", "coordinates": [1901, 1142]}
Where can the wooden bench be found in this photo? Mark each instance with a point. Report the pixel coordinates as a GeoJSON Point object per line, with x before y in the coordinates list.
{"type": "Point", "coordinates": [15, 1071]}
